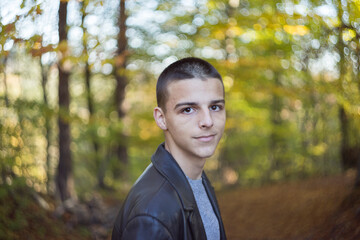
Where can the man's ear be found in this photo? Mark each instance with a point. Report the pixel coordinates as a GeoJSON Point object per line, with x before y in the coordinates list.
{"type": "Point", "coordinates": [159, 117]}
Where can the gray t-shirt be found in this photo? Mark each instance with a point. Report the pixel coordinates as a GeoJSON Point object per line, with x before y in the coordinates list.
{"type": "Point", "coordinates": [208, 217]}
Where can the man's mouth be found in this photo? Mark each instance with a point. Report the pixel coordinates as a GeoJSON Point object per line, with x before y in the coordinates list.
{"type": "Point", "coordinates": [205, 138]}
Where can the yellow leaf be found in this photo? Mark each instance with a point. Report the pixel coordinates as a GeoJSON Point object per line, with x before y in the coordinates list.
{"type": "Point", "coordinates": [296, 29]}
{"type": "Point", "coordinates": [348, 35]}
{"type": "Point", "coordinates": [219, 35]}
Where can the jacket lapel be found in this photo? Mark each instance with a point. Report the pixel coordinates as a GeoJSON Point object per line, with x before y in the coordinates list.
{"type": "Point", "coordinates": [168, 167]}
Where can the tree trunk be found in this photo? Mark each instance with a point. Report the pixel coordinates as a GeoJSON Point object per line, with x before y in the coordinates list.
{"type": "Point", "coordinates": [345, 148]}
{"type": "Point", "coordinates": [5, 169]}
{"type": "Point", "coordinates": [64, 171]}
{"type": "Point", "coordinates": [344, 125]}
{"type": "Point", "coordinates": [276, 144]}
{"type": "Point", "coordinates": [357, 181]}
{"type": "Point", "coordinates": [350, 145]}
{"type": "Point", "coordinates": [90, 102]}
{"type": "Point", "coordinates": [44, 79]}
{"type": "Point", "coordinates": [121, 82]}
{"type": "Point", "coordinates": [5, 83]}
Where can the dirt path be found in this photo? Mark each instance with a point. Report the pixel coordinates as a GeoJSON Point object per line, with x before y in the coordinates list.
{"type": "Point", "coordinates": [283, 211]}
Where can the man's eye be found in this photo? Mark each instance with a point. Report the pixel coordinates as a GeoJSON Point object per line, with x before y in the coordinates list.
{"type": "Point", "coordinates": [215, 108]}
{"type": "Point", "coordinates": [187, 110]}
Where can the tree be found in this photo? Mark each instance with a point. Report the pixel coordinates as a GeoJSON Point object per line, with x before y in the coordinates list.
{"type": "Point", "coordinates": [89, 95]}
{"type": "Point", "coordinates": [121, 82]}
{"type": "Point", "coordinates": [48, 129]}
{"type": "Point", "coordinates": [3, 69]}
{"type": "Point", "coordinates": [64, 178]}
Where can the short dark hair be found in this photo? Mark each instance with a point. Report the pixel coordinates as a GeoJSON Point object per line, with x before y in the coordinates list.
{"type": "Point", "coordinates": [186, 68]}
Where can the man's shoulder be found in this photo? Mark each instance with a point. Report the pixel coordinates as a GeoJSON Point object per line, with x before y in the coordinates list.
{"type": "Point", "coordinates": [152, 194]}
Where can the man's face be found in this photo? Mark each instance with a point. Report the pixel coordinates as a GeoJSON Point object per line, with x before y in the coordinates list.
{"type": "Point", "coordinates": [194, 118]}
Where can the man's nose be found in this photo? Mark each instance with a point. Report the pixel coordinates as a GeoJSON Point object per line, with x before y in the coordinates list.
{"type": "Point", "coordinates": [206, 120]}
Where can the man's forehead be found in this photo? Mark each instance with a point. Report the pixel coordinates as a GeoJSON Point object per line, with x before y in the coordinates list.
{"type": "Point", "coordinates": [193, 81]}
{"type": "Point", "coordinates": [195, 90]}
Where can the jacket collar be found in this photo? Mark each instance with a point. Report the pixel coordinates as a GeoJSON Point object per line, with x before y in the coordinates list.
{"type": "Point", "coordinates": [164, 162]}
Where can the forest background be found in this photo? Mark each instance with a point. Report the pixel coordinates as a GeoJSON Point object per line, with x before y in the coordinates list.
{"type": "Point", "coordinates": [77, 89]}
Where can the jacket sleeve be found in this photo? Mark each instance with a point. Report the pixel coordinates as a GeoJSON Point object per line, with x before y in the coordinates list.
{"type": "Point", "coordinates": [144, 227]}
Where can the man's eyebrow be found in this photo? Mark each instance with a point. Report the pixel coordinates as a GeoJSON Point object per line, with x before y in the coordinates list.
{"type": "Point", "coordinates": [218, 101]}
{"type": "Point", "coordinates": [195, 103]}
{"type": "Point", "coordinates": [185, 104]}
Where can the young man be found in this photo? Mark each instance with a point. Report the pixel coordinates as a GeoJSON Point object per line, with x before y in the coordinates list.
{"type": "Point", "coordinates": [173, 198]}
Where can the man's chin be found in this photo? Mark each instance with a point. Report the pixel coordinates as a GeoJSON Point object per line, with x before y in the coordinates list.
{"type": "Point", "coordinates": [206, 153]}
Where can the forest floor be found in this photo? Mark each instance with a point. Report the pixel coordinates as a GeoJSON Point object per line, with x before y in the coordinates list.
{"type": "Point", "coordinates": [318, 208]}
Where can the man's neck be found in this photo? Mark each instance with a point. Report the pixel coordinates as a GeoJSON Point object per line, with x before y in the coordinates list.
{"type": "Point", "coordinates": [192, 167]}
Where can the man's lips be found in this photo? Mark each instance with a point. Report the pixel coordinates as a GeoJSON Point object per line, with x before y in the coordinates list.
{"type": "Point", "coordinates": [205, 138]}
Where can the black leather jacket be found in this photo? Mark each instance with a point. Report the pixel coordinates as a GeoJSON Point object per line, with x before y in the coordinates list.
{"type": "Point", "coordinates": [161, 205]}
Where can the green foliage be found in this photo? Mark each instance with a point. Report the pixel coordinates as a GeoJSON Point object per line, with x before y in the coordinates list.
{"type": "Point", "coordinates": [21, 215]}
{"type": "Point", "coordinates": [13, 200]}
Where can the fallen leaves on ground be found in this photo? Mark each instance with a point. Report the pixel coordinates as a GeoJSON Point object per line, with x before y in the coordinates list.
{"type": "Point", "coordinates": [285, 211]}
